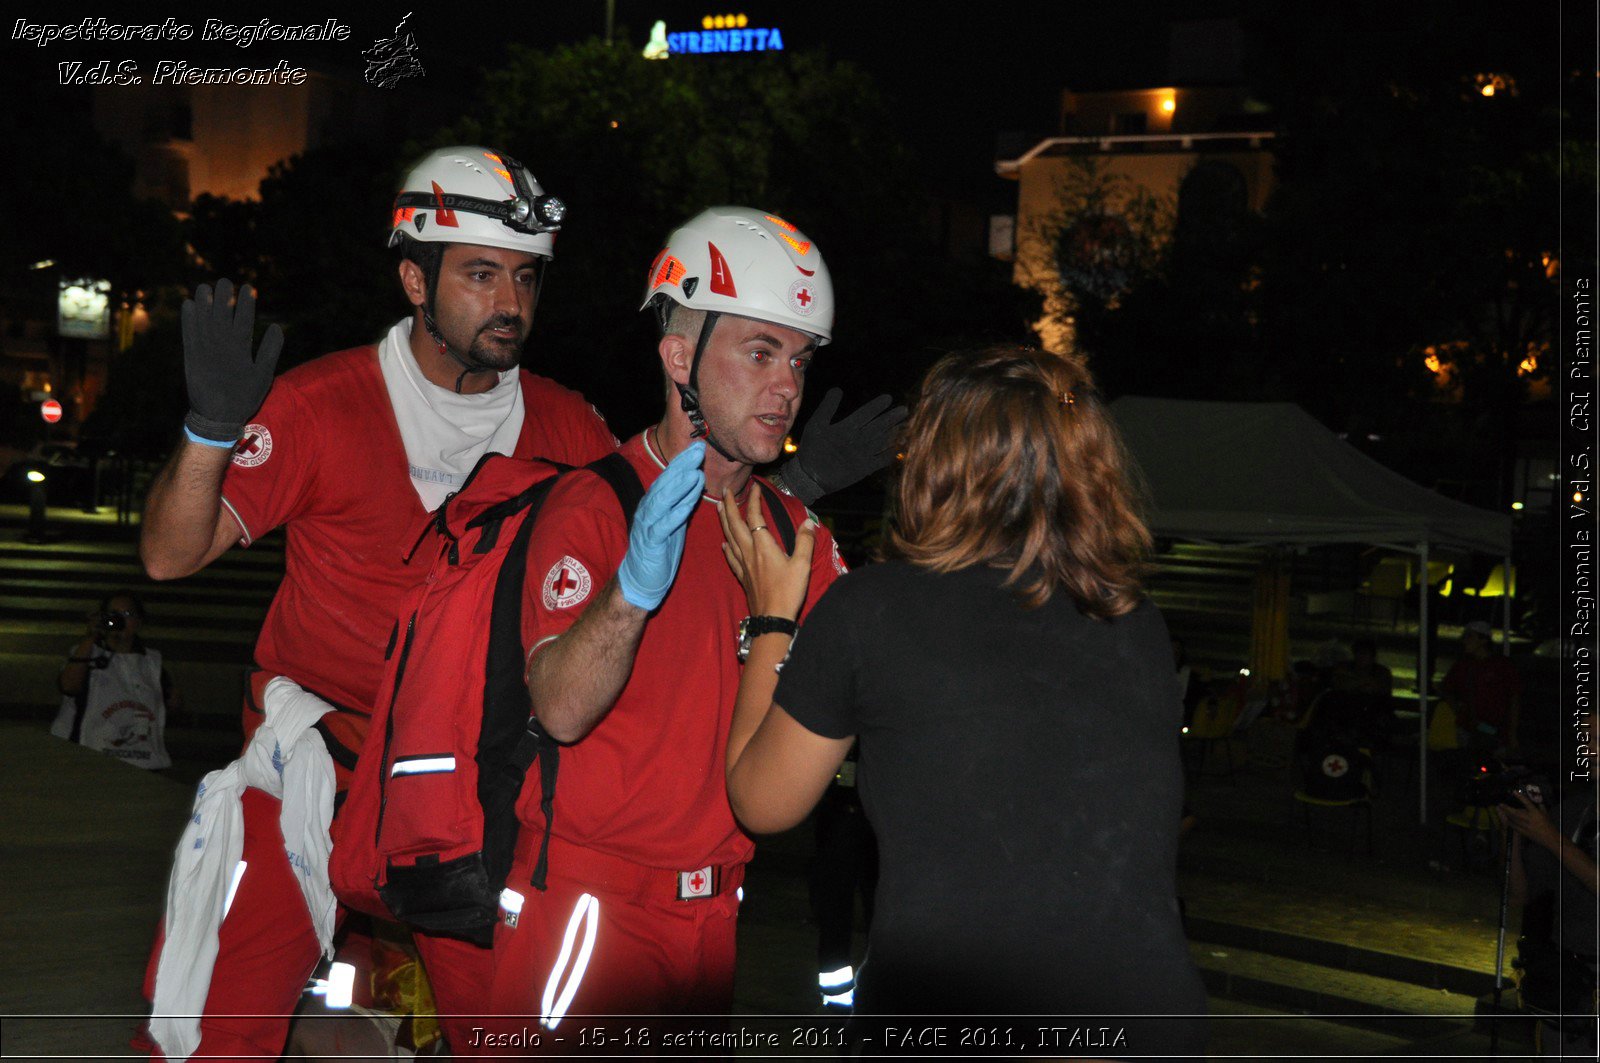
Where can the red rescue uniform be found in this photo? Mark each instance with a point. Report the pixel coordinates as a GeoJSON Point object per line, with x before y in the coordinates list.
{"type": "Point", "coordinates": [645, 857]}
{"type": "Point", "coordinates": [323, 457]}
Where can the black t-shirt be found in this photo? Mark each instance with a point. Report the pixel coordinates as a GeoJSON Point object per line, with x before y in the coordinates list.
{"type": "Point", "coordinates": [1021, 769]}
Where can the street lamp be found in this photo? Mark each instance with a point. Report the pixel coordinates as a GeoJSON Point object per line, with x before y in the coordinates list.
{"type": "Point", "coordinates": [36, 505]}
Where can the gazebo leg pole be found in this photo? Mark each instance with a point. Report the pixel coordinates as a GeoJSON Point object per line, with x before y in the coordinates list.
{"type": "Point", "coordinates": [1505, 601]}
{"type": "Point", "coordinates": [1423, 668]}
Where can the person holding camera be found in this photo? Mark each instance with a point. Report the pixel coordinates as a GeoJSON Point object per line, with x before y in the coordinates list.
{"type": "Point", "coordinates": [1560, 866]}
{"type": "Point", "coordinates": [115, 694]}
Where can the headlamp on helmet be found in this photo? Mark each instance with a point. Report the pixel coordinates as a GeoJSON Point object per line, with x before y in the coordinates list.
{"type": "Point", "coordinates": [472, 195]}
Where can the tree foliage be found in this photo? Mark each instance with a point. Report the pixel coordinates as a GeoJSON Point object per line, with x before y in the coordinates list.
{"type": "Point", "coordinates": [1413, 224]}
{"type": "Point", "coordinates": [637, 147]}
{"type": "Point", "coordinates": [1159, 294]}
{"type": "Point", "coordinates": [1415, 214]}
{"type": "Point", "coordinates": [76, 209]}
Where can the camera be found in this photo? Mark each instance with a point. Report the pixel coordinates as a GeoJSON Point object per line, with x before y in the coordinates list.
{"type": "Point", "coordinates": [112, 622]}
{"type": "Point", "coordinates": [1494, 783]}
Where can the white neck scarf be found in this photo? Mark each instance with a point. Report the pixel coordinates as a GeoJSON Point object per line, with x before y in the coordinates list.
{"type": "Point", "coordinates": [444, 433]}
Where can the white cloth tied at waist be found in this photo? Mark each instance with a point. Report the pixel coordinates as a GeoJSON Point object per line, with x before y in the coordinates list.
{"type": "Point", "coordinates": [288, 760]}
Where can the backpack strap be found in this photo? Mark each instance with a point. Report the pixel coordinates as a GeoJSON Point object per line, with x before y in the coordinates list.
{"type": "Point", "coordinates": [780, 514]}
{"type": "Point", "coordinates": [615, 470]}
{"type": "Point", "coordinates": [507, 722]}
{"type": "Point", "coordinates": [624, 482]}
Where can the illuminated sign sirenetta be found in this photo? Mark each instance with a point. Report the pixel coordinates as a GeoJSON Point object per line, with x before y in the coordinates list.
{"type": "Point", "coordinates": [718, 33]}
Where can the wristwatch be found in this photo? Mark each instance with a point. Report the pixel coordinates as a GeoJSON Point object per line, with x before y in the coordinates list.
{"type": "Point", "coordinates": [752, 627]}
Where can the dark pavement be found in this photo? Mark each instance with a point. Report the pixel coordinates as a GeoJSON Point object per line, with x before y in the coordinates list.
{"type": "Point", "coordinates": [1304, 949]}
{"type": "Point", "coordinates": [1310, 947]}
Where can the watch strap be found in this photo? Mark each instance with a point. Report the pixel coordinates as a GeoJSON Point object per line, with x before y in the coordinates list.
{"type": "Point", "coordinates": [766, 625]}
{"type": "Point", "coordinates": [752, 627]}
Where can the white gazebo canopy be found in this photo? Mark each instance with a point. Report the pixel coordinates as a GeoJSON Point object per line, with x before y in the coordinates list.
{"type": "Point", "coordinates": [1270, 473]}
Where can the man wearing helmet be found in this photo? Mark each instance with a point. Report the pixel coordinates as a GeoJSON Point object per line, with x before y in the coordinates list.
{"type": "Point", "coordinates": [633, 654]}
{"type": "Point", "coordinates": [350, 452]}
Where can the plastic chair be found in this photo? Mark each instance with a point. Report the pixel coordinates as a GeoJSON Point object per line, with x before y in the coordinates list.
{"type": "Point", "coordinates": [1331, 767]}
{"type": "Point", "coordinates": [1389, 581]}
{"type": "Point", "coordinates": [1213, 723]}
{"type": "Point", "coordinates": [1442, 738]}
{"type": "Point", "coordinates": [1442, 728]}
{"type": "Point", "coordinates": [1495, 585]}
{"type": "Point", "coordinates": [1441, 574]}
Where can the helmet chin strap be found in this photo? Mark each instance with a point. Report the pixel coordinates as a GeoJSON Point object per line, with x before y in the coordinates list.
{"type": "Point", "coordinates": [689, 394]}
{"type": "Point", "coordinates": [468, 365]}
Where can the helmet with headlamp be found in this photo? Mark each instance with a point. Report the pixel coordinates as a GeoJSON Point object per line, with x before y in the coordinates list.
{"type": "Point", "coordinates": [471, 195]}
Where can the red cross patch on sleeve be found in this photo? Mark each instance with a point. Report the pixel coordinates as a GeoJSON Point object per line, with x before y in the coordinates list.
{"type": "Point", "coordinates": [567, 584]}
{"type": "Point", "coordinates": [254, 446]}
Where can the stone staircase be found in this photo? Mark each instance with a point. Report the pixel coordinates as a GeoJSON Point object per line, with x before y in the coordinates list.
{"type": "Point", "coordinates": [1301, 949]}
{"type": "Point", "coordinates": [1399, 943]}
{"type": "Point", "coordinates": [205, 626]}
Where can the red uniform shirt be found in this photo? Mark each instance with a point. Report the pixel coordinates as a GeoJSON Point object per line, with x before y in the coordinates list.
{"type": "Point", "coordinates": [1482, 689]}
{"type": "Point", "coordinates": [647, 784]}
{"type": "Point", "coordinates": [323, 456]}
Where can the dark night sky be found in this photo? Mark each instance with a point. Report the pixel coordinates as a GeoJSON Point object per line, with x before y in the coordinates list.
{"type": "Point", "coordinates": [957, 81]}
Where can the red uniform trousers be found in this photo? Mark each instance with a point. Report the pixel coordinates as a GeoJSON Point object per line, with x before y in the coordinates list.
{"type": "Point", "coordinates": [608, 937]}
{"type": "Point", "coordinates": [267, 949]}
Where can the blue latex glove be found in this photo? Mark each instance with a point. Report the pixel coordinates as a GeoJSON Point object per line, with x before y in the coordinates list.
{"type": "Point", "coordinates": [660, 526]}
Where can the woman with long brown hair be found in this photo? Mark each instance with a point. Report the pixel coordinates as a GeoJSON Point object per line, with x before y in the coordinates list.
{"type": "Point", "coordinates": [1012, 691]}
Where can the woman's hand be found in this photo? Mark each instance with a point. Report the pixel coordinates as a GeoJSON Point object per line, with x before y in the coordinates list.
{"type": "Point", "coordinates": [1532, 822]}
{"type": "Point", "coordinates": [775, 583]}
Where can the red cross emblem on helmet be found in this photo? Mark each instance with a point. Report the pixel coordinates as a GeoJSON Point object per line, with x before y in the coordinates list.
{"type": "Point", "coordinates": [802, 297]}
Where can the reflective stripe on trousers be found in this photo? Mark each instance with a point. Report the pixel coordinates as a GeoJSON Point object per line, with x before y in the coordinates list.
{"type": "Point", "coordinates": [558, 996]}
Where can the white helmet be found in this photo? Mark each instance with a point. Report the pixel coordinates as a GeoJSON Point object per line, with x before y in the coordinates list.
{"type": "Point", "coordinates": [737, 260]}
{"type": "Point", "coordinates": [472, 195]}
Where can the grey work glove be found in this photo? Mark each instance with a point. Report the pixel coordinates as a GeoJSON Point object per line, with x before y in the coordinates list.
{"type": "Point", "coordinates": [834, 456]}
{"type": "Point", "coordinates": [226, 385]}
